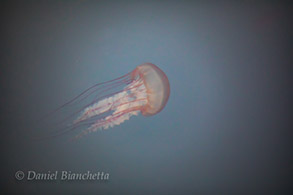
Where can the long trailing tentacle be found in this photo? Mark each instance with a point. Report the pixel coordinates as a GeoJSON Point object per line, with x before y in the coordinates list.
{"type": "Point", "coordinates": [106, 110]}
{"type": "Point", "coordinates": [86, 93]}
{"type": "Point", "coordinates": [95, 92]}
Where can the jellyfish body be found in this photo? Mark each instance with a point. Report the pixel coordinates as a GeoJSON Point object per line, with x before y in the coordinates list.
{"type": "Point", "coordinates": [145, 90]}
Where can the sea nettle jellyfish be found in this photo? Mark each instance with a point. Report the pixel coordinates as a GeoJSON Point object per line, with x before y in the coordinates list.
{"type": "Point", "coordinates": [145, 90]}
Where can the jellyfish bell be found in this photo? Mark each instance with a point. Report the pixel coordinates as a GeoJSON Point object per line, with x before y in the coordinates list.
{"type": "Point", "coordinates": [157, 87]}
{"type": "Point", "coordinates": [145, 90]}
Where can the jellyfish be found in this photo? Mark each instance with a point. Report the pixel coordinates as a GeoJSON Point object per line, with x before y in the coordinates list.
{"type": "Point", "coordinates": [145, 90]}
